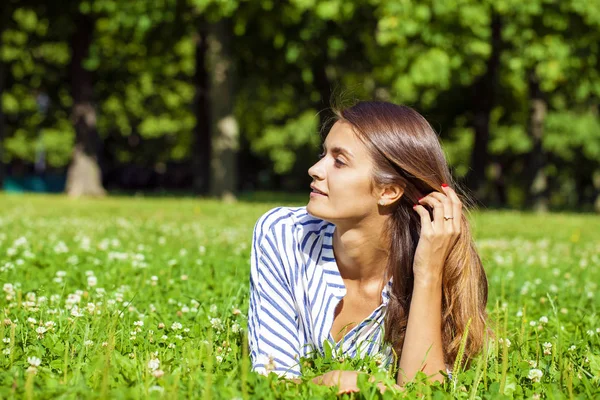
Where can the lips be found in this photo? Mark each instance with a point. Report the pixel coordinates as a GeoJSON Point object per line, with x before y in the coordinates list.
{"type": "Point", "coordinates": [317, 190]}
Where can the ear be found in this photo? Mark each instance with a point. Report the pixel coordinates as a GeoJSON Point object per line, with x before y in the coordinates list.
{"type": "Point", "coordinates": [390, 194]}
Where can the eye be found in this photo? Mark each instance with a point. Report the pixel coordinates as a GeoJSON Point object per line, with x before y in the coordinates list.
{"type": "Point", "coordinates": [337, 161]}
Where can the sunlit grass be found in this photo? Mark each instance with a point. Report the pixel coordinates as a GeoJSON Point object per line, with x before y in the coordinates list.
{"type": "Point", "coordinates": [137, 297]}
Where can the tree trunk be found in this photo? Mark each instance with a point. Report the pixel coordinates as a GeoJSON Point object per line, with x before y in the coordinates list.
{"type": "Point", "coordinates": [484, 99]}
{"type": "Point", "coordinates": [202, 137]}
{"type": "Point", "coordinates": [84, 177]}
{"type": "Point", "coordinates": [223, 124]}
{"type": "Point", "coordinates": [596, 185]}
{"type": "Point", "coordinates": [538, 181]}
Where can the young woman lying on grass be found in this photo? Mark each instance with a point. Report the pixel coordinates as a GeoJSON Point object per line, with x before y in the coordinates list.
{"type": "Point", "coordinates": [380, 261]}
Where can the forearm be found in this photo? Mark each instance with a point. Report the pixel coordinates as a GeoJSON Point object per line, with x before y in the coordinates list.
{"type": "Point", "coordinates": [345, 381]}
{"type": "Point", "coordinates": [422, 349]}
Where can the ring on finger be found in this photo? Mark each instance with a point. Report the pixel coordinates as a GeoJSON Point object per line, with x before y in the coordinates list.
{"type": "Point", "coordinates": [447, 218]}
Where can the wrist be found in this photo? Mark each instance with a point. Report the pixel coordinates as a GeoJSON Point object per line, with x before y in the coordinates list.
{"type": "Point", "coordinates": [428, 281]}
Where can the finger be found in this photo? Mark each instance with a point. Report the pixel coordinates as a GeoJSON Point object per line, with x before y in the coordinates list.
{"type": "Point", "coordinates": [438, 211]}
{"type": "Point", "coordinates": [457, 207]}
{"type": "Point", "coordinates": [448, 211]}
{"type": "Point", "coordinates": [426, 227]}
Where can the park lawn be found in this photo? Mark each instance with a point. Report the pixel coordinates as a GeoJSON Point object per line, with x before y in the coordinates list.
{"type": "Point", "coordinates": [131, 297]}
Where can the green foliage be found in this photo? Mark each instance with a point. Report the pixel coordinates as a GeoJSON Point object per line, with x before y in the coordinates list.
{"type": "Point", "coordinates": [283, 142]}
{"type": "Point", "coordinates": [288, 57]}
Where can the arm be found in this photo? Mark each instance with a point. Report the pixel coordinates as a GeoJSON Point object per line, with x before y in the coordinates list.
{"type": "Point", "coordinates": [272, 319]}
{"type": "Point", "coordinates": [423, 348]}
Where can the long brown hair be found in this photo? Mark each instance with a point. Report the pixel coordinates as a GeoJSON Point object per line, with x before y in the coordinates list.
{"type": "Point", "coordinates": [407, 152]}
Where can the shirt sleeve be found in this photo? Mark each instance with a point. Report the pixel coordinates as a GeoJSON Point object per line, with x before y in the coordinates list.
{"type": "Point", "coordinates": [273, 330]}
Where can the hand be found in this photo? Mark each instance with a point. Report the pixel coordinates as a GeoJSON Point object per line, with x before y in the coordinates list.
{"type": "Point", "coordinates": [346, 381]}
{"type": "Point", "coordinates": [438, 236]}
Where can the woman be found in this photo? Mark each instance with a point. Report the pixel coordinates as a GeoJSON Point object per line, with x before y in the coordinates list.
{"type": "Point", "coordinates": [380, 262]}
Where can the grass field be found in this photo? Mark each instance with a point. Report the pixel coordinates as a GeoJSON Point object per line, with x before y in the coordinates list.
{"type": "Point", "coordinates": [148, 298]}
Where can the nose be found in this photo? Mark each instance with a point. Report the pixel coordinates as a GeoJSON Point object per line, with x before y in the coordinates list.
{"type": "Point", "coordinates": [316, 172]}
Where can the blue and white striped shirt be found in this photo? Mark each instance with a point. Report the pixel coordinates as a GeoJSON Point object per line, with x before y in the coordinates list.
{"type": "Point", "coordinates": [295, 287]}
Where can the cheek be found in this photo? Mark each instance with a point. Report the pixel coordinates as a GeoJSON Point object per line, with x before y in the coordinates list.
{"type": "Point", "coordinates": [358, 185]}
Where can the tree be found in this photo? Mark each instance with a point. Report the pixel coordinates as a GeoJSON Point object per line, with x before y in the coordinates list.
{"type": "Point", "coordinates": [84, 175]}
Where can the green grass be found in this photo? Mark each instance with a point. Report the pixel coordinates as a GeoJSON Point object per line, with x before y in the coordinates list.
{"type": "Point", "coordinates": [167, 261]}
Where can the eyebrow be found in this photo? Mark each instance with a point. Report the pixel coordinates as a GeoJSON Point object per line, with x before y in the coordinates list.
{"type": "Point", "coordinates": [339, 150]}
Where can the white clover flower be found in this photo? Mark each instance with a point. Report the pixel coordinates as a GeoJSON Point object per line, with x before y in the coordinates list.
{"type": "Point", "coordinates": [590, 332]}
{"type": "Point", "coordinates": [213, 309]}
{"type": "Point", "coordinates": [61, 247]}
{"type": "Point", "coordinates": [535, 375]}
{"type": "Point", "coordinates": [532, 323]}
{"type": "Point", "coordinates": [572, 348]}
{"type": "Point", "coordinates": [138, 323]}
{"type": "Point", "coordinates": [21, 241]}
{"type": "Point", "coordinates": [164, 337]}
{"type": "Point", "coordinates": [6, 340]}
{"type": "Point", "coordinates": [88, 343]}
{"type": "Point", "coordinates": [61, 274]}
{"type": "Point", "coordinates": [41, 330]}
{"type": "Point", "coordinates": [8, 288]}
{"type": "Point", "coordinates": [176, 326]}
{"type": "Point", "coordinates": [505, 341]}
{"type": "Point", "coordinates": [216, 323]}
{"type": "Point", "coordinates": [171, 345]}
{"type": "Point", "coordinates": [92, 280]}
{"type": "Point", "coordinates": [547, 348]}
{"type": "Point", "coordinates": [153, 364]}
{"type": "Point", "coordinates": [235, 328]}
{"type": "Point", "coordinates": [158, 373]}
{"type": "Point", "coordinates": [544, 320]}
{"type": "Point", "coordinates": [219, 359]}
{"type": "Point", "coordinates": [6, 351]}
{"type": "Point", "coordinates": [34, 361]}
{"type": "Point", "coordinates": [156, 388]}
{"type": "Point", "coordinates": [75, 312]}
{"type": "Point", "coordinates": [178, 337]}
{"type": "Point", "coordinates": [31, 320]}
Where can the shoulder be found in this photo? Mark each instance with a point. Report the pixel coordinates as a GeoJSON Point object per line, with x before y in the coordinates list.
{"type": "Point", "coordinates": [286, 218]}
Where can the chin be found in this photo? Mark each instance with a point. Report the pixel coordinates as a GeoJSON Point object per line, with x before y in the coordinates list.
{"type": "Point", "coordinates": [313, 209]}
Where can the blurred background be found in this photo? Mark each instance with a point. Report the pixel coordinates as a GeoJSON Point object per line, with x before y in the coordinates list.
{"type": "Point", "coordinates": [225, 98]}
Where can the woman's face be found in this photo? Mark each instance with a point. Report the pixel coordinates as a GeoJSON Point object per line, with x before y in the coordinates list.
{"type": "Point", "coordinates": [344, 174]}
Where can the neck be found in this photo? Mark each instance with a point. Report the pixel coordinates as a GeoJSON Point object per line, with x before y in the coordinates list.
{"type": "Point", "coordinates": [362, 250]}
